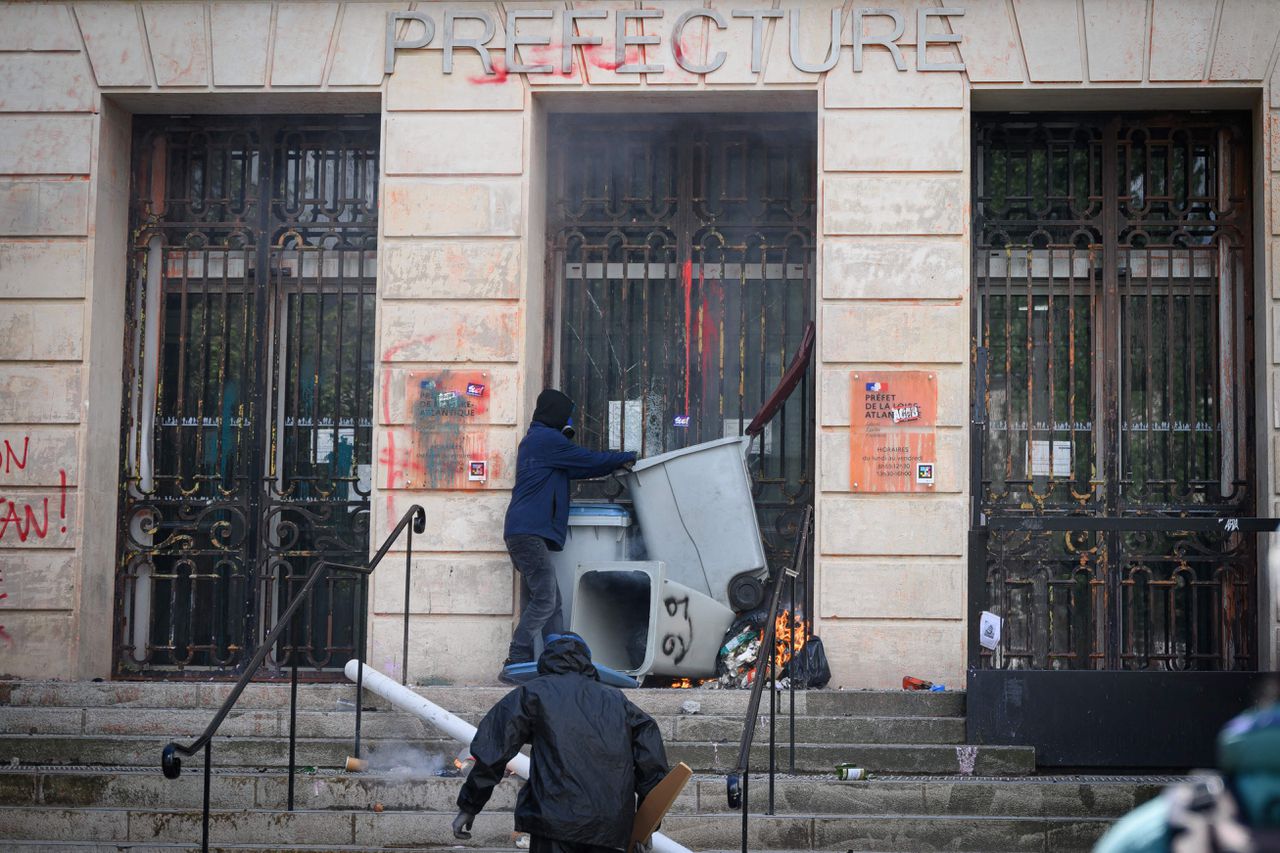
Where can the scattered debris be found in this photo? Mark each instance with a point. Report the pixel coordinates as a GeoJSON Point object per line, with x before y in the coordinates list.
{"type": "Point", "coordinates": [522, 842]}
{"type": "Point", "coordinates": [690, 707]}
{"type": "Point", "coordinates": [378, 807]}
{"type": "Point", "coordinates": [14, 762]}
{"type": "Point", "coordinates": [912, 683]}
{"type": "Point", "coordinates": [966, 758]}
{"type": "Point", "coordinates": [356, 765]}
{"type": "Point", "coordinates": [851, 773]}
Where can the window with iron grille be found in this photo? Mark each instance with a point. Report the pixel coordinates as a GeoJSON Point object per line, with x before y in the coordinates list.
{"type": "Point", "coordinates": [248, 404]}
{"type": "Point", "coordinates": [680, 271]}
{"type": "Point", "coordinates": [1113, 368]}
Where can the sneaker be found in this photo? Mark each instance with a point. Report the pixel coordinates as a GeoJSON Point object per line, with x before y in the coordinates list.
{"type": "Point", "coordinates": [504, 675]}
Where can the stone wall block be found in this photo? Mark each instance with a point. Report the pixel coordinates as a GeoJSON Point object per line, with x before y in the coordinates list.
{"type": "Point", "coordinates": [893, 205]}
{"type": "Point", "coordinates": [41, 331]}
{"type": "Point", "coordinates": [880, 84]}
{"type": "Point", "coordinates": [951, 460]}
{"type": "Point", "coordinates": [241, 42]}
{"type": "Point", "coordinates": [44, 208]}
{"type": "Point", "coordinates": [303, 34]}
{"type": "Point", "coordinates": [865, 525]}
{"type": "Point", "coordinates": [990, 46]}
{"type": "Point", "coordinates": [894, 332]}
{"type": "Point", "coordinates": [456, 521]}
{"type": "Point", "coordinates": [953, 393]}
{"type": "Point", "coordinates": [43, 269]}
{"type": "Point", "coordinates": [45, 82]}
{"type": "Point", "coordinates": [455, 144]}
{"type": "Point", "coordinates": [1050, 39]}
{"type": "Point", "coordinates": [442, 208]}
{"type": "Point", "coordinates": [403, 465]}
{"type": "Point", "coordinates": [421, 84]}
{"type": "Point", "coordinates": [38, 393]}
{"type": "Point", "coordinates": [451, 331]}
{"type": "Point", "coordinates": [923, 268]}
{"type": "Point", "coordinates": [36, 645]}
{"type": "Point", "coordinates": [877, 653]}
{"type": "Point", "coordinates": [464, 650]}
{"type": "Point", "coordinates": [886, 588]}
{"type": "Point", "coordinates": [1181, 31]}
{"type": "Point", "coordinates": [46, 144]}
{"type": "Point", "coordinates": [467, 584]}
{"type": "Point", "coordinates": [176, 34]}
{"type": "Point", "coordinates": [1115, 33]}
{"type": "Point", "coordinates": [33, 456]}
{"type": "Point", "coordinates": [445, 269]}
{"type": "Point", "coordinates": [113, 37]}
{"type": "Point", "coordinates": [358, 60]}
{"type": "Point", "coordinates": [895, 141]}
{"type": "Point", "coordinates": [503, 393]}
{"type": "Point", "coordinates": [1246, 37]}
{"type": "Point", "coordinates": [37, 580]}
{"type": "Point", "coordinates": [37, 26]}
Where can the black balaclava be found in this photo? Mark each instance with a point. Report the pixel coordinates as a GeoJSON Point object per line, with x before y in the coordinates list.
{"type": "Point", "coordinates": [554, 409]}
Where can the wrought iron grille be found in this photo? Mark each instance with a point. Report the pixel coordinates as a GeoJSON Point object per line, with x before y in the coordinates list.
{"type": "Point", "coordinates": [1114, 378]}
{"type": "Point", "coordinates": [247, 433]}
{"type": "Point", "coordinates": [681, 252]}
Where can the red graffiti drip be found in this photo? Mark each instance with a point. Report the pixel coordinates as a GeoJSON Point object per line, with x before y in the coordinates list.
{"type": "Point", "coordinates": [499, 75]}
{"type": "Point", "coordinates": [62, 494]}
{"type": "Point", "coordinates": [4, 635]}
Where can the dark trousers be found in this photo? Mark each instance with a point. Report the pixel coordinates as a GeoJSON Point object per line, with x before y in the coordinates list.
{"type": "Point", "coordinates": [542, 844]}
{"type": "Point", "coordinates": [539, 591]}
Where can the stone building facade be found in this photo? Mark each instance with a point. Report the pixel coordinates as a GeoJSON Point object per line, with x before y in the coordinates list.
{"type": "Point", "coordinates": [463, 260]}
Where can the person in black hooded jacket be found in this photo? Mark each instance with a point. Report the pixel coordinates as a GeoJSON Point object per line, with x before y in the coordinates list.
{"type": "Point", "coordinates": [593, 753]}
{"type": "Point", "coordinates": [537, 518]}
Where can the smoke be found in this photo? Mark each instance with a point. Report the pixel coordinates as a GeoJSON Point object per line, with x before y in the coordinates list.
{"type": "Point", "coordinates": [409, 762]}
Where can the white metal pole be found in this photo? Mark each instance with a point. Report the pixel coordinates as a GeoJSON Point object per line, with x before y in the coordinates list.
{"type": "Point", "coordinates": [459, 729]}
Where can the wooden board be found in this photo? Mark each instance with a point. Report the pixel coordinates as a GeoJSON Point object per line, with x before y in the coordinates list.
{"type": "Point", "coordinates": [654, 808]}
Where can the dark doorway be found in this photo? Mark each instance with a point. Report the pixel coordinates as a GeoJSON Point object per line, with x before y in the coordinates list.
{"type": "Point", "coordinates": [680, 277]}
{"type": "Point", "coordinates": [1113, 377]}
{"type": "Point", "coordinates": [249, 371]}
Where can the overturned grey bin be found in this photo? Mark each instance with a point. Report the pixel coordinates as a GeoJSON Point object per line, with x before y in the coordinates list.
{"type": "Point", "coordinates": [598, 533]}
{"type": "Point", "coordinates": [697, 515]}
{"type": "Point", "coordinates": [639, 622]}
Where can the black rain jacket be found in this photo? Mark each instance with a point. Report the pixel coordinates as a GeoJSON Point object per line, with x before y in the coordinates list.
{"type": "Point", "coordinates": [593, 752]}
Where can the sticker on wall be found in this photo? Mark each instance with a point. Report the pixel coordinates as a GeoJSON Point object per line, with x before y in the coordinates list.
{"type": "Point", "coordinates": [681, 422]}
{"type": "Point", "coordinates": [924, 473]}
{"type": "Point", "coordinates": [477, 471]}
{"type": "Point", "coordinates": [448, 425]}
{"type": "Point", "coordinates": [989, 630]}
{"type": "Point", "coordinates": [475, 389]}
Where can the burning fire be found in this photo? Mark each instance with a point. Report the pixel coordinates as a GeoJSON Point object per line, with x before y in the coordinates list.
{"type": "Point", "coordinates": [682, 684]}
{"type": "Point", "coordinates": [783, 629]}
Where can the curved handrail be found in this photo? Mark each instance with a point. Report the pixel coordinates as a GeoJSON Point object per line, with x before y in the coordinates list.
{"type": "Point", "coordinates": [170, 763]}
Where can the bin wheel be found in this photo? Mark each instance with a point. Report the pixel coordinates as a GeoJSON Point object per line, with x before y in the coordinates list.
{"type": "Point", "coordinates": [745, 593]}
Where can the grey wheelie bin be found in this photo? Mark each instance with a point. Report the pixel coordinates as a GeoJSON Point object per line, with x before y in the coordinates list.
{"type": "Point", "coordinates": [598, 533]}
{"type": "Point", "coordinates": [697, 516]}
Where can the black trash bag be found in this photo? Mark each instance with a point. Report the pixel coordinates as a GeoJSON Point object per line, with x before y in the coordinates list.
{"type": "Point", "coordinates": [809, 669]}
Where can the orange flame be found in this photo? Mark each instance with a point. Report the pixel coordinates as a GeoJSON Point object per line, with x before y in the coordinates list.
{"type": "Point", "coordinates": [783, 629]}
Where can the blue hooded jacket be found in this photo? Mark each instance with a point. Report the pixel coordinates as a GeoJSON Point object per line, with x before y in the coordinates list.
{"type": "Point", "coordinates": [545, 463]}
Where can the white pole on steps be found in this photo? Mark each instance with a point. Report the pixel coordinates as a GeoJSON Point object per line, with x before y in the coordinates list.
{"type": "Point", "coordinates": [459, 729]}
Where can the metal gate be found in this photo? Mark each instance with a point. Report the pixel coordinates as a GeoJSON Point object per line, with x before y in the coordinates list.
{"type": "Point", "coordinates": [1113, 374]}
{"type": "Point", "coordinates": [681, 254]}
{"type": "Point", "coordinates": [249, 366]}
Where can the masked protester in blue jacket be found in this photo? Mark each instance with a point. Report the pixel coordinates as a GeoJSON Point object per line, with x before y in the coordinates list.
{"type": "Point", "coordinates": [538, 516]}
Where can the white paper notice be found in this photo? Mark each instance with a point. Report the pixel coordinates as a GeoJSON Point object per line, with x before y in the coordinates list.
{"type": "Point", "coordinates": [1040, 459]}
{"type": "Point", "coordinates": [989, 630]}
{"type": "Point", "coordinates": [1062, 459]}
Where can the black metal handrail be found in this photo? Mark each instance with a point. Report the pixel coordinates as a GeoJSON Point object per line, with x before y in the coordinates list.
{"type": "Point", "coordinates": [171, 763]}
{"type": "Point", "coordinates": [738, 782]}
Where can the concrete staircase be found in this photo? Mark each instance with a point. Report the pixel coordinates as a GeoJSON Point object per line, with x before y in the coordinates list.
{"type": "Point", "coordinates": [87, 774]}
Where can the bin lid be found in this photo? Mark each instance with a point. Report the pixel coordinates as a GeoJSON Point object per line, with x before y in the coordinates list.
{"type": "Point", "coordinates": [653, 461]}
{"type": "Point", "coordinates": [598, 515]}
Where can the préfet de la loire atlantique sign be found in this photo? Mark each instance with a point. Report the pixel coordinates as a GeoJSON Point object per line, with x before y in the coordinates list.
{"type": "Point", "coordinates": [539, 30]}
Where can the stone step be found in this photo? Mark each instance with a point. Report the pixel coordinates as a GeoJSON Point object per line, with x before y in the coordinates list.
{"type": "Point", "coordinates": [1055, 796]}
{"type": "Point", "coordinates": [332, 752]}
{"type": "Point", "coordinates": [459, 700]}
{"type": "Point", "coordinates": [184, 724]}
{"type": "Point", "coordinates": [907, 832]}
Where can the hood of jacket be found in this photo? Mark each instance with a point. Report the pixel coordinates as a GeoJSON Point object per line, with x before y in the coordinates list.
{"type": "Point", "coordinates": [567, 653]}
